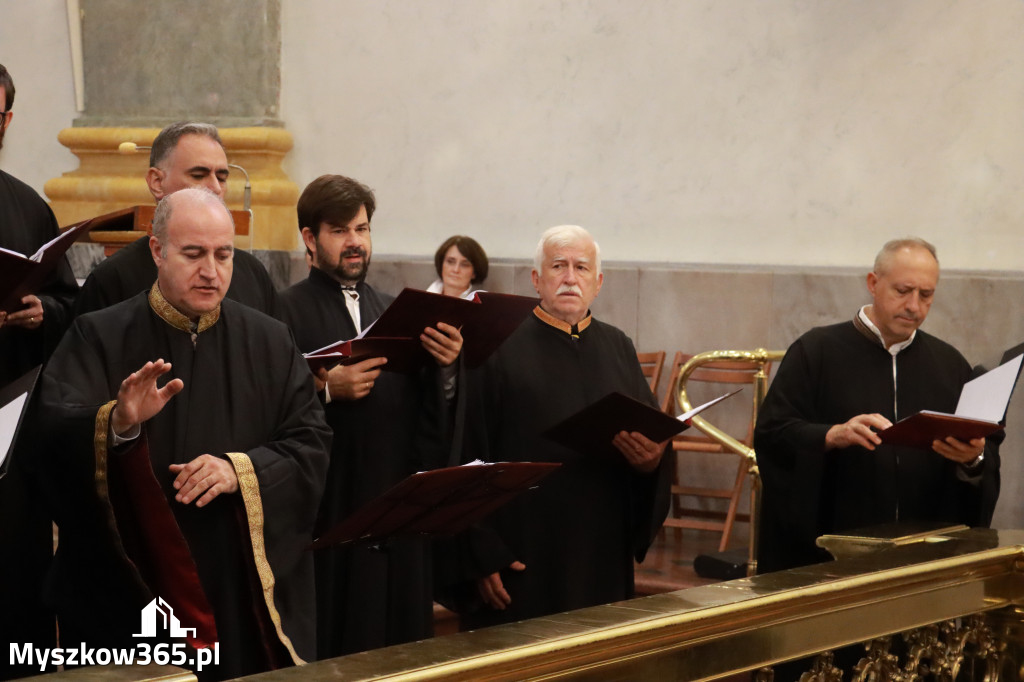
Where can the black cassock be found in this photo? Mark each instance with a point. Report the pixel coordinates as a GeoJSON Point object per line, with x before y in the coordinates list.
{"type": "Point", "coordinates": [829, 375]}
{"type": "Point", "coordinates": [26, 223]}
{"type": "Point", "coordinates": [370, 596]}
{"type": "Point", "coordinates": [131, 270]}
{"type": "Point", "coordinates": [248, 398]}
{"type": "Point", "coordinates": [580, 529]}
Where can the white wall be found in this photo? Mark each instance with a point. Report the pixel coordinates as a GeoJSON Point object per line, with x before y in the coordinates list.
{"type": "Point", "coordinates": [34, 47]}
{"type": "Point", "coordinates": [798, 132]}
{"type": "Point", "coordinates": [718, 131]}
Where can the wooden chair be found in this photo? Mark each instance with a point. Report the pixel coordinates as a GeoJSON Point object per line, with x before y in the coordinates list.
{"type": "Point", "coordinates": [728, 372]}
{"type": "Point", "coordinates": [651, 364]}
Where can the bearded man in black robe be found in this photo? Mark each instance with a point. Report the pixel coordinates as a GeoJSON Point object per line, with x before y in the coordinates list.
{"type": "Point", "coordinates": [222, 466]}
{"type": "Point", "coordinates": [824, 467]}
{"type": "Point", "coordinates": [184, 154]}
{"type": "Point", "coordinates": [570, 542]}
{"type": "Point", "coordinates": [387, 426]}
{"type": "Point", "coordinates": [27, 337]}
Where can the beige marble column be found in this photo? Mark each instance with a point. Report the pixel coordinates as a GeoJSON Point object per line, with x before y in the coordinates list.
{"type": "Point", "coordinates": [149, 64]}
{"type": "Point", "coordinates": [107, 180]}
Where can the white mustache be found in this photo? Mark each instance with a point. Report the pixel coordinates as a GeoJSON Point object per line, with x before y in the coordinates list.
{"type": "Point", "coordinates": [569, 289]}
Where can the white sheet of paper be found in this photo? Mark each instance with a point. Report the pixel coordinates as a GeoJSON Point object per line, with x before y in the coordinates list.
{"type": "Point", "coordinates": [9, 416]}
{"type": "Point", "coordinates": [686, 416]}
{"type": "Point", "coordinates": [988, 396]}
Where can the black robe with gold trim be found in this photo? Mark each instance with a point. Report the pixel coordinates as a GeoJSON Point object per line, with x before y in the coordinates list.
{"type": "Point", "coordinates": [248, 398]}
{"type": "Point", "coordinates": [580, 529]}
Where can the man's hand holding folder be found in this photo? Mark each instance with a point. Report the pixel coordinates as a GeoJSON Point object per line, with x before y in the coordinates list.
{"type": "Point", "coordinates": [419, 325]}
{"type": "Point", "coordinates": [960, 436]}
{"type": "Point", "coordinates": [620, 423]}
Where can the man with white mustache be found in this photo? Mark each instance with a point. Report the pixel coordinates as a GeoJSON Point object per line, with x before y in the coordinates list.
{"type": "Point", "coordinates": [571, 542]}
{"type": "Point", "coordinates": [824, 467]}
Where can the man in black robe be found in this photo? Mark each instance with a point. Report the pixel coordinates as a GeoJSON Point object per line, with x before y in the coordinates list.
{"type": "Point", "coordinates": [27, 337]}
{"type": "Point", "coordinates": [387, 425]}
{"type": "Point", "coordinates": [824, 467]}
{"type": "Point", "coordinates": [184, 154]}
{"type": "Point", "coordinates": [570, 542]}
{"type": "Point", "coordinates": [235, 442]}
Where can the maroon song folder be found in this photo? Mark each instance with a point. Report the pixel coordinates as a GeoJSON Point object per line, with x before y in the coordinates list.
{"type": "Point", "coordinates": [592, 429]}
{"type": "Point", "coordinates": [438, 502]}
{"type": "Point", "coordinates": [485, 321]}
{"type": "Point", "coordinates": [22, 275]}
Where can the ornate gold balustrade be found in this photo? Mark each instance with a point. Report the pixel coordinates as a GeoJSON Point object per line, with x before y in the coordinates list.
{"type": "Point", "coordinates": [957, 594]}
{"type": "Point", "coordinates": [719, 630]}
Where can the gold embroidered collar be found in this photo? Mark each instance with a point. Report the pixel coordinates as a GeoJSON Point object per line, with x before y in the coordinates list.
{"type": "Point", "coordinates": [572, 330]}
{"type": "Point", "coordinates": [169, 314]}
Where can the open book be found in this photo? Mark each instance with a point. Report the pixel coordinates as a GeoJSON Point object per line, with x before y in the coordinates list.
{"type": "Point", "coordinates": [14, 399]}
{"type": "Point", "coordinates": [593, 428]}
{"type": "Point", "coordinates": [21, 275]}
{"type": "Point", "coordinates": [485, 320]}
{"type": "Point", "coordinates": [981, 408]}
{"type": "Point", "coordinates": [437, 502]}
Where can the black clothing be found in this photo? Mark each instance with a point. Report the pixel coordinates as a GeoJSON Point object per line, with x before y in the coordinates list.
{"type": "Point", "coordinates": [580, 529]}
{"type": "Point", "coordinates": [369, 596]}
{"type": "Point", "coordinates": [247, 398]}
{"type": "Point", "coordinates": [828, 376]}
{"type": "Point", "coordinates": [26, 223]}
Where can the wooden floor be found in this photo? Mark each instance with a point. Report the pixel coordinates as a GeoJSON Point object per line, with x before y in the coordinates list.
{"type": "Point", "coordinates": [667, 567]}
{"type": "Point", "coordinates": [669, 562]}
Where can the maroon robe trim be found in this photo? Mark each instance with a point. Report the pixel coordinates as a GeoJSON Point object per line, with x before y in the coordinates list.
{"type": "Point", "coordinates": [175, 578]}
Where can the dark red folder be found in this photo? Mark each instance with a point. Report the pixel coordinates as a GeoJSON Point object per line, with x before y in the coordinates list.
{"type": "Point", "coordinates": [921, 429]}
{"type": "Point", "coordinates": [403, 354]}
{"type": "Point", "coordinates": [438, 502]}
{"type": "Point", "coordinates": [592, 429]}
{"type": "Point", "coordinates": [498, 317]}
{"type": "Point", "coordinates": [485, 321]}
{"type": "Point", "coordinates": [22, 275]}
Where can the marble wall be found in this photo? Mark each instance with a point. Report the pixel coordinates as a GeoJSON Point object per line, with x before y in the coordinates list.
{"type": "Point", "coordinates": [796, 132]}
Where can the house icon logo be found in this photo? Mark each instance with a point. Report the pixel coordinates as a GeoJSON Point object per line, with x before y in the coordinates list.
{"type": "Point", "coordinates": [158, 615]}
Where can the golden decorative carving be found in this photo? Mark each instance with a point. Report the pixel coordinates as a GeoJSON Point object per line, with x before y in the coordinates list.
{"type": "Point", "coordinates": [824, 670]}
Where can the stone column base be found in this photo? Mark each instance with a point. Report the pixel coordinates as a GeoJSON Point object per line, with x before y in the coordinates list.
{"type": "Point", "coordinates": [107, 180]}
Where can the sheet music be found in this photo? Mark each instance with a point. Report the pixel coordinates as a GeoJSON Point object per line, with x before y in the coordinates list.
{"type": "Point", "coordinates": [9, 416]}
{"type": "Point", "coordinates": [988, 396]}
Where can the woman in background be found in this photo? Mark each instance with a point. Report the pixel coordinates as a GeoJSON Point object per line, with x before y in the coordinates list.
{"type": "Point", "coordinates": [460, 263]}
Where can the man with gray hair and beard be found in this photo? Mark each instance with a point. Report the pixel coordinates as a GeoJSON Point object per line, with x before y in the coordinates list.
{"type": "Point", "coordinates": [571, 542]}
{"type": "Point", "coordinates": [824, 467]}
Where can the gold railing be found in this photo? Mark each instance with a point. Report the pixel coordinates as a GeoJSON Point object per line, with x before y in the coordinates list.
{"type": "Point", "coordinates": [931, 607]}
{"type": "Point", "coordinates": [762, 358]}
{"type": "Point", "coordinates": [956, 594]}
